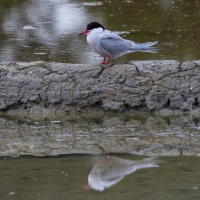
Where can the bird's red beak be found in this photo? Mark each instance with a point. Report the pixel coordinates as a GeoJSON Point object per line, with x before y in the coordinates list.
{"type": "Point", "coordinates": [84, 32]}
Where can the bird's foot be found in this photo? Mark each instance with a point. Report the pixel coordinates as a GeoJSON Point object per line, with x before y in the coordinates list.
{"type": "Point", "coordinates": [104, 61]}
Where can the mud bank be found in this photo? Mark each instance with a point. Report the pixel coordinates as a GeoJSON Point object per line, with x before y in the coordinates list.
{"type": "Point", "coordinates": [62, 87]}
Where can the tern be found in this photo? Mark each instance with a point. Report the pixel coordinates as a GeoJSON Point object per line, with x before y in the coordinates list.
{"type": "Point", "coordinates": [110, 45]}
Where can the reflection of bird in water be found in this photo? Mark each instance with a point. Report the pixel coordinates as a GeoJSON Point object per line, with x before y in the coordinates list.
{"type": "Point", "coordinates": [110, 170]}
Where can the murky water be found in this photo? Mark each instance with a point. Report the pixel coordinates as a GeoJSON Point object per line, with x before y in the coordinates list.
{"type": "Point", "coordinates": [48, 30]}
{"type": "Point", "coordinates": [99, 176]}
{"type": "Point", "coordinates": [65, 178]}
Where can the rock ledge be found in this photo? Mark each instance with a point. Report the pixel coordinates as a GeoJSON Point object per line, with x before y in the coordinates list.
{"type": "Point", "coordinates": [62, 87]}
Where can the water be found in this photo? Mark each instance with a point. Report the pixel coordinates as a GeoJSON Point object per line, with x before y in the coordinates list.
{"type": "Point", "coordinates": [64, 177]}
{"type": "Point", "coordinates": [48, 30]}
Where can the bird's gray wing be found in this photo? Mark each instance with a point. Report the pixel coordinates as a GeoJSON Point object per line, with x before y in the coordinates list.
{"type": "Point", "coordinates": [114, 44]}
{"type": "Point", "coordinates": [118, 46]}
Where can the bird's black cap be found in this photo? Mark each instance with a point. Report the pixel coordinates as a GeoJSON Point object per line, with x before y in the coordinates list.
{"type": "Point", "coordinates": [92, 25]}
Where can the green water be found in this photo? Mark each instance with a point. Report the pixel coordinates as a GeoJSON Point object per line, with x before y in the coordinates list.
{"type": "Point", "coordinates": [64, 177]}
{"type": "Point", "coordinates": [48, 30]}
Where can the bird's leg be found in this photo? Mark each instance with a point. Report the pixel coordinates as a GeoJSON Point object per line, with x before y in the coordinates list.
{"type": "Point", "coordinates": [103, 63]}
{"type": "Point", "coordinates": [108, 61]}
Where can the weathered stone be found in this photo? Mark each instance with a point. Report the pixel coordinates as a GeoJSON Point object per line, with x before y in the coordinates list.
{"type": "Point", "coordinates": [158, 98]}
{"type": "Point", "coordinates": [157, 69]}
{"type": "Point", "coordinates": [187, 66]}
{"type": "Point", "coordinates": [61, 87]}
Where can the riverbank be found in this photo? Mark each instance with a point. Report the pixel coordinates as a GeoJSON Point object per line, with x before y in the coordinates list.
{"type": "Point", "coordinates": [40, 87]}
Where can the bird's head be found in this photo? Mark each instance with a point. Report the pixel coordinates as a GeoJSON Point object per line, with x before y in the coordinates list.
{"type": "Point", "coordinates": [91, 26]}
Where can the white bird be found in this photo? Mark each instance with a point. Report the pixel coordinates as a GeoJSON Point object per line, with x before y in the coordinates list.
{"type": "Point", "coordinates": [110, 45]}
{"type": "Point", "coordinates": [110, 170]}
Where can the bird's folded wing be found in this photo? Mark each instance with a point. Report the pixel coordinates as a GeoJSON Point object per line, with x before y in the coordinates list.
{"type": "Point", "coordinates": [114, 45]}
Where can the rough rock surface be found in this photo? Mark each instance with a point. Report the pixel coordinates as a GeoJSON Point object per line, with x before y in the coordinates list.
{"type": "Point", "coordinates": [98, 133]}
{"type": "Point", "coordinates": [61, 87]}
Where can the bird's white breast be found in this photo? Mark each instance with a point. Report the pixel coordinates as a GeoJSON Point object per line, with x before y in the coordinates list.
{"type": "Point", "coordinates": [93, 37]}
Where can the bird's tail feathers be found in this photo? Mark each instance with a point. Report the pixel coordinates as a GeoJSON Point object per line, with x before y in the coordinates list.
{"type": "Point", "coordinates": [145, 47]}
{"type": "Point", "coordinates": [146, 44]}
